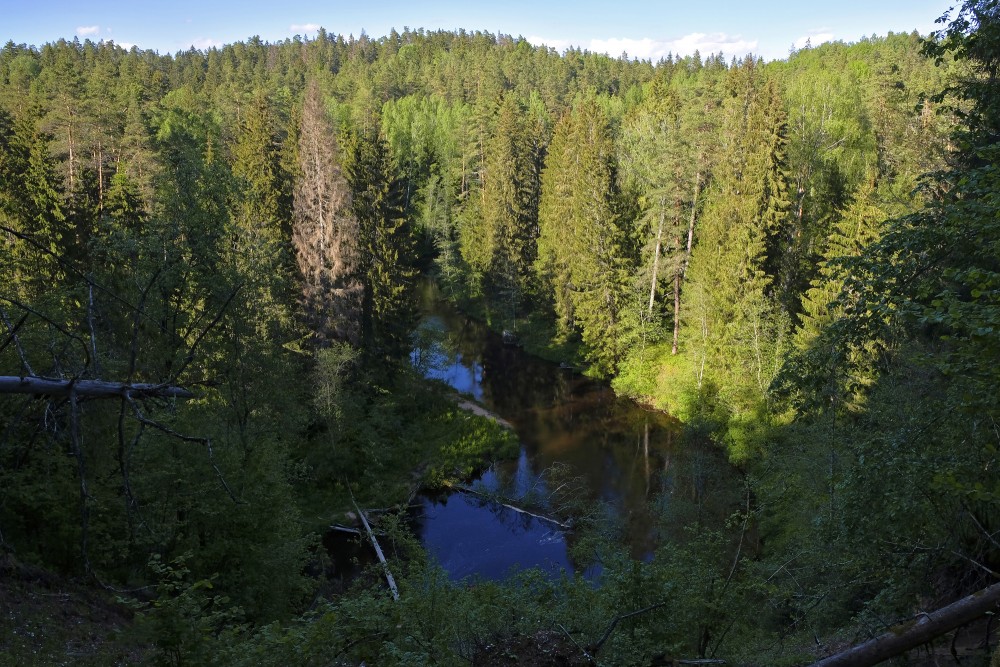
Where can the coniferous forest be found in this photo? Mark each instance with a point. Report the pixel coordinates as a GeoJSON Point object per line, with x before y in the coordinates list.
{"type": "Point", "coordinates": [209, 265]}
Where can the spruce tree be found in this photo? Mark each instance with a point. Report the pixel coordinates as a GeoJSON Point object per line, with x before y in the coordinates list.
{"type": "Point", "coordinates": [385, 248]}
{"type": "Point", "coordinates": [325, 231]}
{"type": "Point", "coordinates": [505, 247]}
{"type": "Point", "coordinates": [734, 329]}
{"type": "Point", "coordinates": [586, 252]}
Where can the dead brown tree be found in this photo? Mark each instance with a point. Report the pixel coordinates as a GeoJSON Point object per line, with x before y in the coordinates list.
{"type": "Point", "coordinates": [324, 231]}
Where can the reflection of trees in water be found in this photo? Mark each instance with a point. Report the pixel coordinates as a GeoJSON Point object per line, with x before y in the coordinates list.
{"type": "Point", "coordinates": [699, 487]}
{"type": "Point", "coordinates": [516, 522]}
{"type": "Point", "coordinates": [428, 344]}
{"type": "Point", "coordinates": [626, 462]}
{"type": "Point", "coordinates": [516, 383]}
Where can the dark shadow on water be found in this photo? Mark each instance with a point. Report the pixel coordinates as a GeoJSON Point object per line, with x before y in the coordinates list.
{"type": "Point", "coordinates": [615, 452]}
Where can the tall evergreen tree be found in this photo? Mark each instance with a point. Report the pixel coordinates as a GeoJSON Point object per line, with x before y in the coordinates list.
{"type": "Point", "coordinates": [734, 327]}
{"type": "Point", "coordinates": [325, 231]}
{"type": "Point", "coordinates": [586, 251]}
{"type": "Point", "coordinates": [257, 244]}
{"type": "Point", "coordinates": [385, 247]}
{"type": "Point", "coordinates": [503, 246]}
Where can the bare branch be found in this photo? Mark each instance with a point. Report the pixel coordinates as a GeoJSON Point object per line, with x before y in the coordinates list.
{"type": "Point", "coordinates": [69, 266]}
{"type": "Point", "coordinates": [134, 347]}
{"type": "Point", "coordinates": [12, 337]}
{"type": "Point", "coordinates": [90, 325]}
{"type": "Point", "coordinates": [124, 456]}
{"type": "Point", "coordinates": [595, 648]}
{"type": "Point", "coordinates": [211, 325]}
{"type": "Point", "coordinates": [378, 550]}
{"type": "Point", "coordinates": [582, 650]}
{"type": "Point", "coordinates": [74, 431]}
{"type": "Point", "coordinates": [976, 563]}
{"type": "Point", "coordinates": [58, 327]}
{"type": "Point", "coordinates": [743, 533]}
{"type": "Point", "coordinates": [207, 442]}
{"type": "Point", "coordinates": [989, 536]}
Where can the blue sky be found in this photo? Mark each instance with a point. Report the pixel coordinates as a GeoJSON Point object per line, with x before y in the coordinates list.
{"type": "Point", "coordinates": [643, 29]}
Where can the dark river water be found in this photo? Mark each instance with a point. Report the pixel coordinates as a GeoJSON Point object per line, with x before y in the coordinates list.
{"type": "Point", "coordinates": [579, 443]}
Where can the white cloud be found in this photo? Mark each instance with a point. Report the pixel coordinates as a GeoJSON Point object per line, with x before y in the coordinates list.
{"type": "Point", "coordinates": [559, 45]}
{"type": "Point", "coordinates": [303, 28]}
{"type": "Point", "coordinates": [87, 30]}
{"type": "Point", "coordinates": [205, 43]}
{"type": "Point", "coordinates": [636, 48]}
{"type": "Point", "coordinates": [713, 42]}
{"type": "Point", "coordinates": [814, 38]}
{"type": "Point", "coordinates": [654, 49]}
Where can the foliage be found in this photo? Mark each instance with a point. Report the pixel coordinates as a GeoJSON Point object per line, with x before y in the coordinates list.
{"type": "Point", "coordinates": [742, 244]}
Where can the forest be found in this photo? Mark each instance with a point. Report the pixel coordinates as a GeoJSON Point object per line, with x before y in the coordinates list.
{"type": "Point", "coordinates": [208, 273]}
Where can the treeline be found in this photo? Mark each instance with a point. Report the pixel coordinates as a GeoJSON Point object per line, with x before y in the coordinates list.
{"type": "Point", "coordinates": [797, 258]}
{"type": "Point", "coordinates": [619, 197]}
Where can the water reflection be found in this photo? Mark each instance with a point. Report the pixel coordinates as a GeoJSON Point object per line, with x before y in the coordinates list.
{"type": "Point", "coordinates": [606, 449]}
{"type": "Point", "coordinates": [469, 536]}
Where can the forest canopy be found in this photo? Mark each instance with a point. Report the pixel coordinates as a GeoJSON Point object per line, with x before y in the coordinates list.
{"type": "Point", "coordinates": [208, 264]}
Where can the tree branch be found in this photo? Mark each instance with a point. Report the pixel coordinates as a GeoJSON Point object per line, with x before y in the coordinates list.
{"type": "Point", "coordinates": [90, 325]}
{"type": "Point", "coordinates": [211, 325]}
{"type": "Point", "coordinates": [596, 647]}
{"type": "Point", "coordinates": [186, 438]}
{"type": "Point", "coordinates": [582, 650]}
{"type": "Point", "coordinates": [12, 384]}
{"type": "Point", "coordinates": [58, 327]}
{"type": "Point", "coordinates": [12, 337]}
{"type": "Point", "coordinates": [74, 427]}
{"type": "Point", "coordinates": [378, 550]}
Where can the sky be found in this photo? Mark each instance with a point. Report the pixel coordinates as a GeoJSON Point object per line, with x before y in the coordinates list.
{"type": "Point", "coordinates": [642, 29]}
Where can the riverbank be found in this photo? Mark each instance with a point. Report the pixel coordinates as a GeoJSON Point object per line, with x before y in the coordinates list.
{"type": "Point", "coordinates": [476, 409]}
{"type": "Point", "coordinates": [413, 436]}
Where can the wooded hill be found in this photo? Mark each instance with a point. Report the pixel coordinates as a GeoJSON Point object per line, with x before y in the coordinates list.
{"type": "Point", "coordinates": [797, 258]}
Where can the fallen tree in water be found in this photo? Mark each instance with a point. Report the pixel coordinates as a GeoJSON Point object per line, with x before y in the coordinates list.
{"type": "Point", "coordinates": [378, 551]}
{"type": "Point", "coordinates": [493, 499]}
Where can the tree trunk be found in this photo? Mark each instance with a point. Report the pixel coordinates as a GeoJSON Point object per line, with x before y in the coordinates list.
{"type": "Point", "coordinates": [12, 384]}
{"type": "Point", "coordinates": [924, 628]}
{"type": "Point", "coordinates": [677, 311]}
{"type": "Point", "coordinates": [378, 552]}
{"type": "Point", "coordinates": [687, 258]}
{"type": "Point", "coordinates": [694, 212]}
{"type": "Point", "coordinates": [656, 258]}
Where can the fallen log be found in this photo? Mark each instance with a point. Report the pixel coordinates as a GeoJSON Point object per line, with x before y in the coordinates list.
{"type": "Point", "coordinates": [520, 510]}
{"type": "Point", "coordinates": [378, 552]}
{"type": "Point", "coordinates": [920, 630]}
{"type": "Point", "coordinates": [13, 384]}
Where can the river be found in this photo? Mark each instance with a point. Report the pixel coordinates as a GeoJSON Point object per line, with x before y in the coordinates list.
{"type": "Point", "coordinates": [579, 443]}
